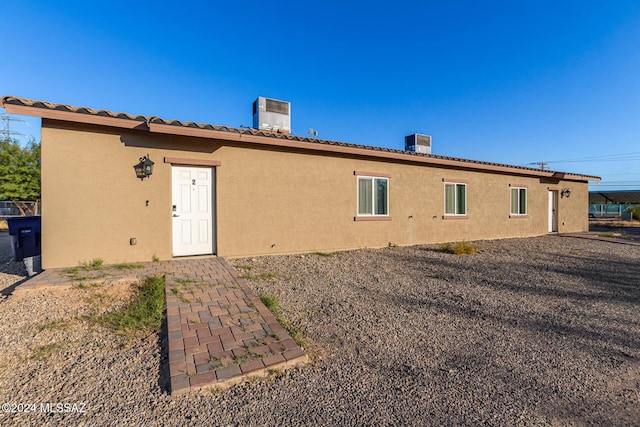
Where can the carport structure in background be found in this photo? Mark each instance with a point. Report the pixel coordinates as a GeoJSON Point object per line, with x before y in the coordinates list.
{"type": "Point", "coordinates": [630, 197]}
{"type": "Point", "coordinates": [611, 204]}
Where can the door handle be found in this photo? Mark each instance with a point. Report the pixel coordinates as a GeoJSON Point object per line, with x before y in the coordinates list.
{"type": "Point", "coordinates": [176, 215]}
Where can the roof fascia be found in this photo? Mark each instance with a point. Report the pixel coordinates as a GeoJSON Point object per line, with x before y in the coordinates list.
{"type": "Point", "coordinates": [75, 117]}
{"type": "Point", "coordinates": [263, 140]}
{"type": "Point", "coordinates": [69, 116]}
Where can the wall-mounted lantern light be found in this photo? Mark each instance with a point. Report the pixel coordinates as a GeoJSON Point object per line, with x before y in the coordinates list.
{"type": "Point", "coordinates": [144, 168]}
{"type": "Point", "coordinates": [565, 192]}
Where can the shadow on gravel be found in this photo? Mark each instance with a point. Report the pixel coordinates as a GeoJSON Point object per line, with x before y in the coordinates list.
{"type": "Point", "coordinates": [597, 338]}
{"type": "Point", "coordinates": [585, 302]}
{"type": "Point", "coordinates": [625, 229]}
{"type": "Point", "coordinates": [9, 289]}
{"type": "Point", "coordinates": [613, 281]}
{"type": "Point", "coordinates": [164, 379]}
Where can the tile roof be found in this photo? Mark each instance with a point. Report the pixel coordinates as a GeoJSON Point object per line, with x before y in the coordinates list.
{"type": "Point", "coordinates": [10, 100]}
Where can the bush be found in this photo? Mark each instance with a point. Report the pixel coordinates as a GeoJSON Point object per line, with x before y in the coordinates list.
{"type": "Point", "coordinates": [462, 248]}
{"type": "Point", "coordinates": [635, 210]}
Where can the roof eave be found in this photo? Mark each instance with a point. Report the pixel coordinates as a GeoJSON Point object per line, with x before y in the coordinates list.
{"type": "Point", "coordinates": [263, 140]}
{"type": "Point", "coordinates": [70, 116]}
{"type": "Point", "coordinates": [239, 136]}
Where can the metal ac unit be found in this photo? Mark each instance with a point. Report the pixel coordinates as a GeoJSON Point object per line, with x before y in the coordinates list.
{"type": "Point", "coordinates": [272, 114]}
{"type": "Point", "coordinates": [418, 143]}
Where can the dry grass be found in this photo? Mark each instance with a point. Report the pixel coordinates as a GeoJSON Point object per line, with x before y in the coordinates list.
{"type": "Point", "coordinates": [461, 248]}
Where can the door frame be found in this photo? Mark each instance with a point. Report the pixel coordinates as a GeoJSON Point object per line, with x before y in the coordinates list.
{"type": "Point", "coordinates": [213, 193]}
{"type": "Point", "coordinates": [552, 209]}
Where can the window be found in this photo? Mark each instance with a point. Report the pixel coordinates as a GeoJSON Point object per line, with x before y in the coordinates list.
{"type": "Point", "coordinates": [455, 199]}
{"type": "Point", "coordinates": [518, 201]}
{"type": "Point", "coordinates": [373, 196]}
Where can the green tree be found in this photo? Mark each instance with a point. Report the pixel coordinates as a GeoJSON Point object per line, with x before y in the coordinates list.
{"type": "Point", "coordinates": [19, 172]}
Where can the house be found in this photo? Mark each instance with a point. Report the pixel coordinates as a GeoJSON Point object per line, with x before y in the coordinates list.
{"type": "Point", "coordinates": [244, 192]}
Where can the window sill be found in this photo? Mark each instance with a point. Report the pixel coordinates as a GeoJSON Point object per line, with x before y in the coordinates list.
{"type": "Point", "coordinates": [516, 216]}
{"type": "Point", "coordinates": [372, 218]}
{"type": "Point", "coordinates": [455, 217]}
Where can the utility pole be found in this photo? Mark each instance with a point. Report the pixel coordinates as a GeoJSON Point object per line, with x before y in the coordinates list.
{"type": "Point", "coordinates": [541, 164]}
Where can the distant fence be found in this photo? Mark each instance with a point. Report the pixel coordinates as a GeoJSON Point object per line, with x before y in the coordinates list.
{"type": "Point", "coordinates": [10, 209]}
{"type": "Point", "coordinates": [610, 210]}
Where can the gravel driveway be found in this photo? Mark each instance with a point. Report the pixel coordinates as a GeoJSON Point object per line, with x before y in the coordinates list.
{"type": "Point", "coordinates": [540, 331]}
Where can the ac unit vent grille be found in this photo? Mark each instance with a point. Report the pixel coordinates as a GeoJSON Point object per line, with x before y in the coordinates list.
{"type": "Point", "coordinates": [423, 140]}
{"type": "Point", "coordinates": [275, 106]}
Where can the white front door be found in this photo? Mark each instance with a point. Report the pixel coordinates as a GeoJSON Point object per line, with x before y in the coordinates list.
{"type": "Point", "coordinates": [553, 211]}
{"type": "Point", "coordinates": [192, 210]}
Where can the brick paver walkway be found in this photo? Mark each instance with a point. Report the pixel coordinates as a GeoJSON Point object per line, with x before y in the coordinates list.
{"type": "Point", "coordinates": [220, 333]}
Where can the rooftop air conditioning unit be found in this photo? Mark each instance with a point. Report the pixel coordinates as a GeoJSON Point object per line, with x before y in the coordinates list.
{"type": "Point", "coordinates": [418, 143]}
{"type": "Point", "coordinates": [272, 114]}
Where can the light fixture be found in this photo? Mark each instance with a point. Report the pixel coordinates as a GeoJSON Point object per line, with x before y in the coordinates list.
{"type": "Point", "coordinates": [144, 168]}
{"type": "Point", "coordinates": [565, 193]}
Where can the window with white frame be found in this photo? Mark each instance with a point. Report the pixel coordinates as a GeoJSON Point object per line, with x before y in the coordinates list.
{"type": "Point", "coordinates": [518, 201]}
{"type": "Point", "coordinates": [455, 198]}
{"type": "Point", "coordinates": [373, 196]}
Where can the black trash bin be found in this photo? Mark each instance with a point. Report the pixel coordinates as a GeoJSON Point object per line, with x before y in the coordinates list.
{"type": "Point", "coordinates": [24, 232]}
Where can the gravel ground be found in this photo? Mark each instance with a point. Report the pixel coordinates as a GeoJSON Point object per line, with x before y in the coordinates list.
{"type": "Point", "coordinates": [629, 230]}
{"type": "Point", "coordinates": [541, 331]}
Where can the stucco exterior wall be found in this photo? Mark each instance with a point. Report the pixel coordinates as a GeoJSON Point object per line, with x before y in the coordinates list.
{"type": "Point", "coordinates": [268, 200]}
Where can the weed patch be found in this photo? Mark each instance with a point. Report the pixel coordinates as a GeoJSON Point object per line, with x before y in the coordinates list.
{"type": "Point", "coordinates": [86, 270]}
{"type": "Point", "coordinates": [178, 293]}
{"type": "Point", "coordinates": [86, 285]}
{"type": "Point", "coordinates": [326, 254]}
{"type": "Point", "coordinates": [446, 247]}
{"type": "Point", "coordinates": [43, 352]}
{"type": "Point", "coordinates": [461, 248]}
{"type": "Point", "coordinates": [215, 390]}
{"type": "Point", "coordinates": [261, 276]}
{"type": "Point", "coordinates": [606, 235]}
{"type": "Point", "coordinates": [94, 264]}
{"type": "Point", "coordinates": [127, 266]}
{"type": "Point", "coordinates": [55, 324]}
{"type": "Point", "coordinates": [144, 313]}
{"type": "Point", "coordinates": [274, 306]}
{"type": "Point", "coordinates": [79, 277]}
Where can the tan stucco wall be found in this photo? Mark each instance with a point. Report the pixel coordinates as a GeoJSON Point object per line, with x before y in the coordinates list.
{"type": "Point", "coordinates": [268, 201]}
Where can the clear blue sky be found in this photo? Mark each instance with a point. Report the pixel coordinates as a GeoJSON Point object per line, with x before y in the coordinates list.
{"type": "Point", "coordinates": [503, 81]}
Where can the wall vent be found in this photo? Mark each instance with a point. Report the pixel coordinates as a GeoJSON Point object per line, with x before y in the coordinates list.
{"type": "Point", "coordinates": [418, 143]}
{"type": "Point", "coordinates": [272, 114]}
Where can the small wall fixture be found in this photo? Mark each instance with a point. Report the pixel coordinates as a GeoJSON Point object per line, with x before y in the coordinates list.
{"type": "Point", "coordinates": [565, 193]}
{"type": "Point", "coordinates": [145, 168]}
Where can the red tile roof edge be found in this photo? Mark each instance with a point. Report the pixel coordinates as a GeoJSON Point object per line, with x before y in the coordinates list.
{"type": "Point", "coordinates": [11, 100]}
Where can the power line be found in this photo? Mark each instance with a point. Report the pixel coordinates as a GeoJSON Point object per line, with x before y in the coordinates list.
{"type": "Point", "coordinates": [620, 156]}
{"type": "Point", "coordinates": [622, 174]}
{"type": "Point", "coordinates": [627, 159]}
{"type": "Point", "coordinates": [596, 186]}
{"type": "Point", "coordinates": [6, 131]}
{"type": "Point", "coordinates": [541, 164]}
